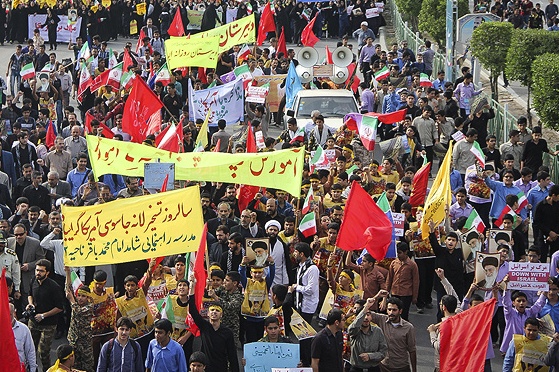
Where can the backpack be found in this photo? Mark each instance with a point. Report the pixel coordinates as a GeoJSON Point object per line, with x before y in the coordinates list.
{"type": "Point", "coordinates": [135, 348]}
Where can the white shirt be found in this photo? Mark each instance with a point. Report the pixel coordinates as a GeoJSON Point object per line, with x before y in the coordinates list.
{"type": "Point", "coordinates": [25, 347]}
{"type": "Point", "coordinates": [57, 246]}
{"type": "Point", "coordinates": [307, 286]}
{"type": "Point", "coordinates": [278, 255]}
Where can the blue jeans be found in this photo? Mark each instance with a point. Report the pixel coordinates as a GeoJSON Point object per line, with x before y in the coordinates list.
{"type": "Point", "coordinates": [15, 78]}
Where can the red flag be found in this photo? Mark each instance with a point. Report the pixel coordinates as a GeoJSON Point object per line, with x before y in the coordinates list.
{"type": "Point", "coordinates": [328, 56]}
{"type": "Point", "coordinates": [281, 44]}
{"type": "Point", "coordinates": [154, 123]}
{"type": "Point", "coordinates": [390, 118]}
{"type": "Point", "coordinates": [266, 24]}
{"type": "Point", "coordinates": [161, 135]}
{"type": "Point", "coordinates": [308, 38]}
{"type": "Point", "coordinates": [457, 330]}
{"type": "Point", "coordinates": [140, 105]}
{"type": "Point", "coordinates": [419, 185]}
{"type": "Point", "coordinates": [202, 75]}
{"type": "Point", "coordinates": [364, 225]}
{"type": "Point", "coordinates": [171, 139]}
{"type": "Point", "coordinates": [165, 181]}
{"type": "Point", "coordinates": [126, 61]}
{"type": "Point", "coordinates": [140, 42]}
{"type": "Point", "coordinates": [176, 28]}
{"type": "Point", "coordinates": [251, 141]}
{"type": "Point", "coordinates": [107, 133]}
{"type": "Point", "coordinates": [200, 272]}
{"type": "Point", "coordinates": [51, 134]}
{"type": "Point", "coordinates": [100, 81]}
{"type": "Point", "coordinates": [8, 349]}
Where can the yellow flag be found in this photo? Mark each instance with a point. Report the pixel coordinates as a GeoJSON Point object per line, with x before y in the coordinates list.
{"type": "Point", "coordinates": [132, 229]}
{"type": "Point", "coordinates": [439, 196]}
{"type": "Point", "coordinates": [184, 52]}
{"type": "Point", "coordinates": [202, 138]}
{"type": "Point", "coordinates": [15, 3]}
{"type": "Point", "coordinates": [141, 8]}
{"type": "Point", "coordinates": [281, 169]}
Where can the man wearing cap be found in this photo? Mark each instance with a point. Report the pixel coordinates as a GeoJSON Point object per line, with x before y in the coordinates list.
{"type": "Point", "coordinates": [9, 260]}
{"type": "Point", "coordinates": [279, 252]}
{"type": "Point", "coordinates": [218, 342]}
{"type": "Point", "coordinates": [363, 33]}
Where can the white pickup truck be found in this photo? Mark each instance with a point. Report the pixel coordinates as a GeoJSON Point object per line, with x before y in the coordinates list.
{"type": "Point", "coordinates": [333, 104]}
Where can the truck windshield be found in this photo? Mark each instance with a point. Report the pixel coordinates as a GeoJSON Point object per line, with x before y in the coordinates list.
{"type": "Point", "coordinates": [336, 107]}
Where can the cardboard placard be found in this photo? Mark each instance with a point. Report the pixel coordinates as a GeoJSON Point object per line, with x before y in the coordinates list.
{"type": "Point", "coordinates": [487, 268]}
{"type": "Point", "coordinates": [399, 219]}
{"type": "Point", "coordinates": [528, 276]}
{"type": "Point", "coordinates": [323, 70]}
{"type": "Point", "coordinates": [497, 237]}
{"type": "Point", "coordinates": [257, 256]}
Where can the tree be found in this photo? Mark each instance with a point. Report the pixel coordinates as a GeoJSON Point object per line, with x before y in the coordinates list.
{"type": "Point", "coordinates": [490, 43]}
{"type": "Point", "coordinates": [525, 47]}
{"type": "Point", "coordinates": [432, 18]}
{"type": "Point", "coordinates": [545, 79]}
{"type": "Point", "coordinates": [409, 9]}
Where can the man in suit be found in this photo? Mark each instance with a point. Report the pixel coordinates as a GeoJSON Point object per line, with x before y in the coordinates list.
{"type": "Point", "coordinates": [57, 188]}
{"type": "Point", "coordinates": [149, 29]}
{"type": "Point", "coordinates": [28, 251]}
{"type": "Point", "coordinates": [8, 165]}
{"type": "Point", "coordinates": [223, 213]}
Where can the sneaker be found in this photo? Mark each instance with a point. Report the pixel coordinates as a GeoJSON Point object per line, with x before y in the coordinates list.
{"type": "Point", "coordinates": [420, 310]}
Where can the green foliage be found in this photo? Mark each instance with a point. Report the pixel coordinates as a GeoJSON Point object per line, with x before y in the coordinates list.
{"type": "Point", "coordinates": [490, 43]}
{"type": "Point", "coordinates": [545, 76]}
{"type": "Point", "coordinates": [432, 18]}
{"type": "Point", "coordinates": [525, 47]}
{"type": "Point", "coordinates": [409, 10]}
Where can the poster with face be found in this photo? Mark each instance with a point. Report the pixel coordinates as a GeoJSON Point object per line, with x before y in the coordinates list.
{"type": "Point", "coordinates": [487, 267]}
{"type": "Point", "coordinates": [498, 237]}
{"type": "Point", "coordinates": [471, 242]}
{"type": "Point", "coordinates": [257, 251]}
{"type": "Point", "coordinates": [43, 81]}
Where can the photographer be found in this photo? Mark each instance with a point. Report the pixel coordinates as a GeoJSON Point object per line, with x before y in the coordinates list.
{"type": "Point", "coordinates": [43, 309]}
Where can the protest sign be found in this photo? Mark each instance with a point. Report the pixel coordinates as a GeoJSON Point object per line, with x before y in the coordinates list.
{"type": "Point", "coordinates": [275, 94]}
{"type": "Point", "coordinates": [263, 356]}
{"type": "Point", "coordinates": [133, 228]}
{"type": "Point", "coordinates": [399, 219]}
{"type": "Point", "coordinates": [281, 169]}
{"type": "Point", "coordinates": [239, 32]}
{"type": "Point", "coordinates": [300, 328]}
{"type": "Point", "coordinates": [222, 101]}
{"type": "Point", "coordinates": [257, 94]}
{"type": "Point", "coordinates": [194, 19]}
{"type": "Point", "coordinates": [528, 276]}
{"type": "Point", "coordinates": [155, 174]}
{"type": "Point", "coordinates": [65, 32]}
{"type": "Point", "coordinates": [184, 51]}
{"type": "Point", "coordinates": [487, 266]}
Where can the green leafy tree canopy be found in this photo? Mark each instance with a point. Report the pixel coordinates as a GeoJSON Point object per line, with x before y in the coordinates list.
{"type": "Point", "coordinates": [545, 75]}
{"type": "Point", "coordinates": [432, 18]}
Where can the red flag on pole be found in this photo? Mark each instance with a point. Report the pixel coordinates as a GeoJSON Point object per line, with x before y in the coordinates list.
{"type": "Point", "coordinates": [200, 272]}
{"type": "Point", "coordinates": [457, 330]}
{"type": "Point", "coordinates": [363, 219]}
{"type": "Point", "coordinates": [107, 133]}
{"type": "Point", "coordinates": [246, 192]}
{"type": "Point", "coordinates": [282, 47]}
{"type": "Point", "coordinates": [140, 105]}
{"type": "Point", "coordinates": [419, 185]}
{"type": "Point", "coordinates": [251, 141]}
{"type": "Point", "coordinates": [389, 118]}
{"type": "Point", "coordinates": [266, 24]}
{"type": "Point", "coordinates": [126, 61]}
{"type": "Point", "coordinates": [100, 81]}
{"type": "Point", "coordinates": [308, 38]}
{"type": "Point", "coordinates": [8, 349]}
{"type": "Point", "coordinates": [165, 181]}
{"type": "Point", "coordinates": [51, 134]}
{"type": "Point", "coordinates": [329, 56]}
{"type": "Point", "coordinates": [176, 27]}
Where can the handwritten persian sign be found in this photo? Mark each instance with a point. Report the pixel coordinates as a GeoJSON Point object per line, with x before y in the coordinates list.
{"type": "Point", "coordinates": [528, 276]}
{"type": "Point", "coordinates": [241, 31]}
{"type": "Point", "coordinates": [183, 51]}
{"type": "Point", "coordinates": [65, 32]}
{"type": "Point", "coordinates": [223, 102]}
{"type": "Point", "coordinates": [281, 169]}
{"type": "Point", "coordinates": [263, 356]}
{"type": "Point", "coordinates": [133, 229]}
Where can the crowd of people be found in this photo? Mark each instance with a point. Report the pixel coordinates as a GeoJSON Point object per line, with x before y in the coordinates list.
{"type": "Point", "coordinates": [360, 306]}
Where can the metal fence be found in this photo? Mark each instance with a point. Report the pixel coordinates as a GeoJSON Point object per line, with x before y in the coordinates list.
{"type": "Point", "coordinates": [503, 122]}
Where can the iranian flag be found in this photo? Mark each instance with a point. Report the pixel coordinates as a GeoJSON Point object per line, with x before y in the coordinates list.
{"type": "Point", "coordinates": [382, 74]}
{"type": "Point", "coordinates": [163, 75]}
{"type": "Point", "coordinates": [474, 220]}
{"type": "Point", "coordinates": [112, 59]}
{"type": "Point", "coordinates": [522, 201]}
{"type": "Point", "coordinates": [476, 150]}
{"type": "Point", "coordinates": [75, 281]}
{"type": "Point", "coordinates": [115, 76]}
{"type": "Point", "coordinates": [243, 53]}
{"type": "Point", "coordinates": [307, 203]}
{"type": "Point", "coordinates": [366, 126]}
{"type": "Point", "coordinates": [127, 78]}
{"type": "Point", "coordinates": [85, 80]}
{"type": "Point", "coordinates": [506, 210]}
{"type": "Point", "coordinates": [27, 71]}
{"type": "Point", "coordinates": [318, 158]}
{"type": "Point", "coordinates": [308, 225]}
{"type": "Point", "coordinates": [165, 308]}
{"type": "Point", "coordinates": [424, 80]}
{"type": "Point", "coordinates": [299, 135]}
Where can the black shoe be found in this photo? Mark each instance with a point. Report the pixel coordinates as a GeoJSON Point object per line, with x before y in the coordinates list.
{"type": "Point", "coordinates": [428, 306]}
{"type": "Point", "coordinates": [58, 335]}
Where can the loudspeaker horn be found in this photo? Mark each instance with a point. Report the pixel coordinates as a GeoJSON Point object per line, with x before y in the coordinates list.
{"type": "Point", "coordinates": [340, 75]}
{"type": "Point", "coordinates": [307, 57]}
{"type": "Point", "coordinates": [304, 73]}
{"type": "Point", "coordinates": [342, 56]}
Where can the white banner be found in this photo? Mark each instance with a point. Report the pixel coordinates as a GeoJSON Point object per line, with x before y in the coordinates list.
{"type": "Point", "coordinates": [64, 33]}
{"type": "Point", "coordinates": [223, 101]}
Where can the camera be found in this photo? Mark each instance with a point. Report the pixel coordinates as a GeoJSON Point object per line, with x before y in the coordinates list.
{"type": "Point", "coordinates": [29, 313]}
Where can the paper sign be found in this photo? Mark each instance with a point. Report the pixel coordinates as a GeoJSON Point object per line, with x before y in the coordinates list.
{"type": "Point", "coordinates": [300, 328]}
{"type": "Point", "coordinates": [486, 270]}
{"type": "Point", "coordinates": [371, 12]}
{"type": "Point", "coordinates": [155, 173]}
{"type": "Point", "coordinates": [458, 136]}
{"type": "Point", "coordinates": [275, 94]}
{"type": "Point", "coordinates": [195, 19]}
{"type": "Point", "coordinates": [257, 94]}
{"type": "Point", "coordinates": [323, 70]}
{"type": "Point", "coordinates": [497, 237]}
{"type": "Point", "coordinates": [183, 52]}
{"type": "Point", "coordinates": [259, 137]}
{"type": "Point", "coordinates": [329, 156]}
{"type": "Point", "coordinates": [528, 276]}
{"type": "Point", "coordinates": [263, 356]}
{"type": "Point", "coordinates": [399, 219]}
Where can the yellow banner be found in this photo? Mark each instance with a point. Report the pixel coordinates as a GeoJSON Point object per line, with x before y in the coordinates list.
{"type": "Point", "coordinates": [184, 51]}
{"type": "Point", "coordinates": [281, 169]}
{"type": "Point", "coordinates": [133, 229]}
{"type": "Point", "coordinates": [141, 8]}
{"type": "Point", "coordinates": [241, 31]}
{"type": "Point", "coordinates": [439, 196]}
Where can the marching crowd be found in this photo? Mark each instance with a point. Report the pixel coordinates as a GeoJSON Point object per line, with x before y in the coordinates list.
{"type": "Point", "coordinates": [360, 306]}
